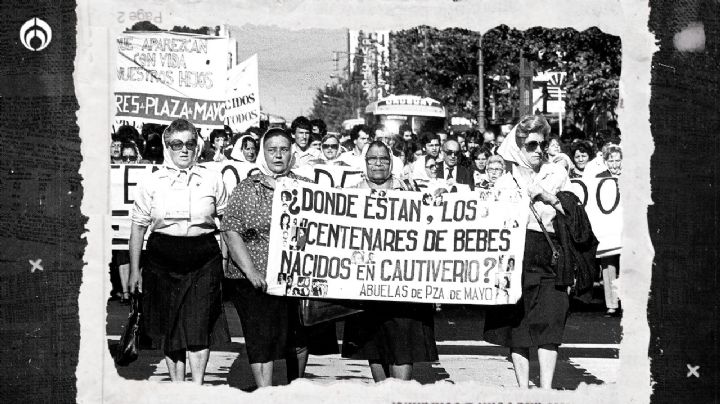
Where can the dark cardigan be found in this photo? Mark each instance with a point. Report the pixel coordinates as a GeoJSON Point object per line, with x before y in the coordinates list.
{"type": "Point", "coordinates": [579, 246]}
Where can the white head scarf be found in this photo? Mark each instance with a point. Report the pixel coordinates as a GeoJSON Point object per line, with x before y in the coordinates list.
{"type": "Point", "coordinates": [237, 153]}
{"type": "Point", "coordinates": [364, 153]}
{"type": "Point", "coordinates": [418, 169]}
{"type": "Point", "coordinates": [263, 165]}
{"type": "Point", "coordinates": [167, 156]}
{"type": "Point", "coordinates": [510, 151]}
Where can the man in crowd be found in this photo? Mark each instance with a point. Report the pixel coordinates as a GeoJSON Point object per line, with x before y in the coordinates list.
{"type": "Point", "coordinates": [300, 129]}
{"type": "Point", "coordinates": [449, 169]}
{"type": "Point", "coordinates": [360, 136]}
{"type": "Point", "coordinates": [431, 144]}
{"type": "Point", "coordinates": [406, 133]}
{"type": "Point", "coordinates": [319, 127]}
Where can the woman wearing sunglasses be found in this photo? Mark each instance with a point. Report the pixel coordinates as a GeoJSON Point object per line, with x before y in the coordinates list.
{"type": "Point", "coordinates": [331, 150]}
{"type": "Point", "coordinates": [129, 154]}
{"type": "Point", "coordinates": [182, 273]}
{"type": "Point", "coordinates": [538, 318]}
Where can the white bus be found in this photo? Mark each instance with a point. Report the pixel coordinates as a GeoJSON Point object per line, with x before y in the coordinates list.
{"type": "Point", "coordinates": [419, 113]}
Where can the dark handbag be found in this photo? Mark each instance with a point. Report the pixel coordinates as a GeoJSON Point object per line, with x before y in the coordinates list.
{"type": "Point", "coordinates": [126, 351]}
{"type": "Point", "coordinates": [316, 311]}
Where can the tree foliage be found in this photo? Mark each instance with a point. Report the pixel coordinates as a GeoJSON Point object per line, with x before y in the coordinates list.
{"type": "Point", "coordinates": [442, 64]}
{"type": "Point", "coordinates": [336, 103]}
{"type": "Point", "coordinates": [144, 26]}
{"type": "Point", "coordinates": [185, 29]}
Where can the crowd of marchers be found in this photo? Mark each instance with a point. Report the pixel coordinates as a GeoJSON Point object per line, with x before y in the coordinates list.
{"type": "Point", "coordinates": [184, 204]}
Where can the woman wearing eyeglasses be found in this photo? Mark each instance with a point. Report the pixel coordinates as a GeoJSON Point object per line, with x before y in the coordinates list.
{"type": "Point", "coordinates": [181, 278]}
{"type": "Point", "coordinates": [495, 169]}
{"type": "Point", "coordinates": [391, 336]}
{"type": "Point", "coordinates": [129, 154]}
{"type": "Point", "coordinates": [538, 318]}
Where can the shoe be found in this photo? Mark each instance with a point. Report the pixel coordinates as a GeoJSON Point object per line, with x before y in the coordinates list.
{"type": "Point", "coordinates": [613, 313]}
{"type": "Point", "coordinates": [125, 299]}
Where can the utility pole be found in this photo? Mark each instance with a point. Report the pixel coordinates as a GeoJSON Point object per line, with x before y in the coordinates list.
{"type": "Point", "coordinates": [525, 86]}
{"type": "Point", "coordinates": [481, 92]}
{"type": "Point", "coordinates": [349, 72]}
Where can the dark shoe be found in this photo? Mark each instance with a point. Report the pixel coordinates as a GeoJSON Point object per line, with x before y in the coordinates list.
{"type": "Point", "coordinates": [125, 299]}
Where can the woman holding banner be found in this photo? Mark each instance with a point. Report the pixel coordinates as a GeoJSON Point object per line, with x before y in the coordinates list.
{"type": "Point", "coordinates": [270, 323]}
{"type": "Point", "coordinates": [181, 279]}
{"type": "Point", "coordinates": [391, 336]}
{"type": "Point", "coordinates": [538, 318]}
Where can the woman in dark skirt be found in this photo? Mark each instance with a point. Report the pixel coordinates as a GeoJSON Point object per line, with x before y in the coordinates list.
{"type": "Point", "coordinates": [270, 323]}
{"type": "Point", "coordinates": [391, 336]}
{"type": "Point", "coordinates": [538, 318]}
{"type": "Point", "coordinates": [182, 275]}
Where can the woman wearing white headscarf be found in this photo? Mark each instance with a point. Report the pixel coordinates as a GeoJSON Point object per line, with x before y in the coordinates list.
{"type": "Point", "coordinates": [270, 323]}
{"type": "Point", "coordinates": [182, 304]}
{"type": "Point", "coordinates": [391, 336]}
{"type": "Point", "coordinates": [538, 318]}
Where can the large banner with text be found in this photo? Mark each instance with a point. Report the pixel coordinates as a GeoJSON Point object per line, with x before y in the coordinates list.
{"type": "Point", "coordinates": [601, 199]}
{"type": "Point", "coordinates": [362, 244]}
{"type": "Point", "coordinates": [162, 76]}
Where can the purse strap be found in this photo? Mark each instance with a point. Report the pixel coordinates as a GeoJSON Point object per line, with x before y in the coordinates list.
{"type": "Point", "coordinates": [555, 252]}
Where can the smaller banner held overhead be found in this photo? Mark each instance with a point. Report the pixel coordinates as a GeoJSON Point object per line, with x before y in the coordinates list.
{"type": "Point", "coordinates": [243, 100]}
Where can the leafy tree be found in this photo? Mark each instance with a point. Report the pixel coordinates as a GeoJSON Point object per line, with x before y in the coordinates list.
{"type": "Point", "coordinates": [202, 30]}
{"type": "Point", "coordinates": [442, 64]}
{"type": "Point", "coordinates": [144, 26]}
{"type": "Point", "coordinates": [439, 64]}
{"type": "Point", "coordinates": [336, 103]}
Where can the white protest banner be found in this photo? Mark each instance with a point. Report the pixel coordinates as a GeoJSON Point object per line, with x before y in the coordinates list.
{"type": "Point", "coordinates": [233, 172]}
{"type": "Point", "coordinates": [333, 176]}
{"type": "Point", "coordinates": [163, 76]}
{"type": "Point", "coordinates": [601, 198]}
{"type": "Point", "coordinates": [123, 183]}
{"type": "Point", "coordinates": [366, 244]}
{"type": "Point", "coordinates": [243, 96]}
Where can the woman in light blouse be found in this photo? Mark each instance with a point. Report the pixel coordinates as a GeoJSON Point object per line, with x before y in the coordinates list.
{"type": "Point", "coordinates": [538, 318]}
{"type": "Point", "coordinates": [182, 276]}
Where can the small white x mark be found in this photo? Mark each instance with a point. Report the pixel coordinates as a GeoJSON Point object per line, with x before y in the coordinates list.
{"type": "Point", "coordinates": [36, 265]}
{"type": "Point", "coordinates": [693, 371]}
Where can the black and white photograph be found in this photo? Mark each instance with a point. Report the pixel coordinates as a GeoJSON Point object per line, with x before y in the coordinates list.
{"type": "Point", "coordinates": [543, 275]}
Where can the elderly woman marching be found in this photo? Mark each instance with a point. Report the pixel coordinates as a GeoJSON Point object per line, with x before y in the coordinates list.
{"type": "Point", "coordinates": [392, 336]}
{"type": "Point", "coordinates": [538, 318]}
{"type": "Point", "coordinates": [183, 271]}
{"type": "Point", "coordinates": [270, 323]}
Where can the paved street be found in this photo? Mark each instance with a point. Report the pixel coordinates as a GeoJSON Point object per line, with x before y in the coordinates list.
{"type": "Point", "coordinates": [590, 354]}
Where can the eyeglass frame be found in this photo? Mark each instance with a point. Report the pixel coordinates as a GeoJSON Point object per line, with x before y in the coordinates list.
{"type": "Point", "coordinates": [177, 145]}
